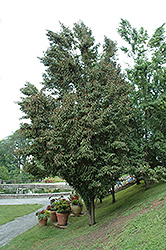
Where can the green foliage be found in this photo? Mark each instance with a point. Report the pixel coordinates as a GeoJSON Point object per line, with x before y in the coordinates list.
{"type": "Point", "coordinates": [12, 162]}
{"type": "Point", "coordinates": [4, 175]}
{"type": "Point", "coordinates": [21, 176]}
{"type": "Point", "coordinates": [79, 128]}
{"type": "Point", "coordinates": [62, 206]}
{"type": "Point", "coordinates": [75, 199]}
{"type": "Point", "coordinates": [43, 214]}
{"type": "Point", "coordinates": [51, 208]}
{"type": "Point", "coordinates": [147, 77]}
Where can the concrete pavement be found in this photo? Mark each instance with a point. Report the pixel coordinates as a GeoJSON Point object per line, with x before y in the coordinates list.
{"type": "Point", "coordinates": [13, 228]}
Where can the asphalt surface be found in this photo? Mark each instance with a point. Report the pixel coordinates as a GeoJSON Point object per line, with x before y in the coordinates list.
{"type": "Point", "coordinates": [13, 228]}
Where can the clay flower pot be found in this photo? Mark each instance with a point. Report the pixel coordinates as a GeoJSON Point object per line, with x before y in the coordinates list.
{"type": "Point", "coordinates": [76, 209]}
{"type": "Point", "coordinates": [62, 218]}
{"type": "Point", "coordinates": [42, 222]}
{"type": "Point", "coordinates": [53, 216]}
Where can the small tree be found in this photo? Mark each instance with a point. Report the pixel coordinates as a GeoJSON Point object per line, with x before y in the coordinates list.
{"type": "Point", "coordinates": [79, 129]}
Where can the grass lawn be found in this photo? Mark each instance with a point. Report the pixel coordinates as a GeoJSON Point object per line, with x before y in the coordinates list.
{"type": "Point", "coordinates": [136, 221]}
{"type": "Point", "coordinates": [10, 212]}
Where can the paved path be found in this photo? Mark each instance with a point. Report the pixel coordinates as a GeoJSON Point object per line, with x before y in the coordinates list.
{"type": "Point", "coordinates": [13, 228]}
{"type": "Point", "coordinates": [43, 201]}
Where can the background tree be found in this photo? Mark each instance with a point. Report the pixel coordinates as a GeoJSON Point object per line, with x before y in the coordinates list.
{"type": "Point", "coordinates": [4, 175]}
{"type": "Point", "coordinates": [8, 159]}
{"type": "Point", "coordinates": [147, 75]}
{"type": "Point", "coordinates": [80, 119]}
{"type": "Point", "coordinates": [6, 154]}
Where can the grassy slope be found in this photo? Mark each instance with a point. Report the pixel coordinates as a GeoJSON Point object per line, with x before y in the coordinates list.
{"type": "Point", "coordinates": [136, 221]}
{"type": "Point", "coordinates": [10, 212]}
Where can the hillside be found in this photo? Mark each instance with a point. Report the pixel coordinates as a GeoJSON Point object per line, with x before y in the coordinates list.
{"type": "Point", "coordinates": [136, 221]}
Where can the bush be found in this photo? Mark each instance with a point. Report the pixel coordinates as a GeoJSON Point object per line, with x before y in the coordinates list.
{"type": "Point", "coordinates": [4, 174]}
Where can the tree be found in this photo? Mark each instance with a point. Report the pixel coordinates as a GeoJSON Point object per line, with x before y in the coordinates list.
{"type": "Point", "coordinates": [147, 75]}
{"type": "Point", "coordinates": [7, 147]}
{"type": "Point", "coordinates": [4, 175]}
{"type": "Point", "coordinates": [79, 120]}
{"type": "Point", "coordinates": [8, 159]}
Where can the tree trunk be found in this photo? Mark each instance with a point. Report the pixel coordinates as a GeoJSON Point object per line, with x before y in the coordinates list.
{"type": "Point", "coordinates": [137, 180]}
{"type": "Point", "coordinates": [145, 124]}
{"type": "Point", "coordinates": [91, 211]}
{"type": "Point", "coordinates": [113, 194]}
{"type": "Point", "coordinates": [101, 200]}
{"type": "Point", "coordinates": [146, 183]}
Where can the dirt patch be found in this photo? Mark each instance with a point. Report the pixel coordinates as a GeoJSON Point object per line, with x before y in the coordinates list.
{"type": "Point", "coordinates": [113, 228]}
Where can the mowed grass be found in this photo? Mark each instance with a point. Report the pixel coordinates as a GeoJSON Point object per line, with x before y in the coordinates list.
{"type": "Point", "coordinates": [136, 221]}
{"type": "Point", "coordinates": [10, 212]}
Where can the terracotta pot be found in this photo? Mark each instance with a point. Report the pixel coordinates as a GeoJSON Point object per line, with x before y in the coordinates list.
{"type": "Point", "coordinates": [53, 216]}
{"type": "Point", "coordinates": [76, 210]}
{"type": "Point", "coordinates": [62, 218]}
{"type": "Point", "coordinates": [42, 222]}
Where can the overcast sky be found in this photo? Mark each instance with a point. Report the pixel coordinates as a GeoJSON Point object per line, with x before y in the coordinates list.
{"type": "Point", "coordinates": [23, 25]}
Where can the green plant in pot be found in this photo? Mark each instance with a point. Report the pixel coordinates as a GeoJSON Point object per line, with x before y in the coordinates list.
{"type": "Point", "coordinates": [62, 207]}
{"type": "Point", "coordinates": [43, 217]}
{"type": "Point", "coordinates": [52, 210]}
{"type": "Point", "coordinates": [76, 204]}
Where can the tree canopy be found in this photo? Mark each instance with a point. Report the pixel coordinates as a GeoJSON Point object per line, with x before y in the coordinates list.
{"type": "Point", "coordinates": [147, 75]}
{"type": "Point", "coordinates": [12, 162]}
{"type": "Point", "coordinates": [79, 121]}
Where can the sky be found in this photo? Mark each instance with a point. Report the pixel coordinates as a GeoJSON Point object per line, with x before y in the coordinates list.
{"type": "Point", "coordinates": [23, 25]}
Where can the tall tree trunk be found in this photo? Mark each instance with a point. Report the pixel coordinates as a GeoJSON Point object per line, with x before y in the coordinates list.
{"type": "Point", "coordinates": [90, 205]}
{"type": "Point", "coordinates": [91, 211]}
{"type": "Point", "coordinates": [113, 194]}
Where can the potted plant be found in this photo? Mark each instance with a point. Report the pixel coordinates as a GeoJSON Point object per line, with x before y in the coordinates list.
{"type": "Point", "coordinates": [62, 207]}
{"type": "Point", "coordinates": [76, 204]}
{"type": "Point", "coordinates": [52, 210]}
{"type": "Point", "coordinates": [43, 217]}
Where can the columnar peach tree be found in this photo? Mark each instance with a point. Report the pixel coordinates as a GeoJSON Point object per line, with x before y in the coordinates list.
{"type": "Point", "coordinates": [79, 121]}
